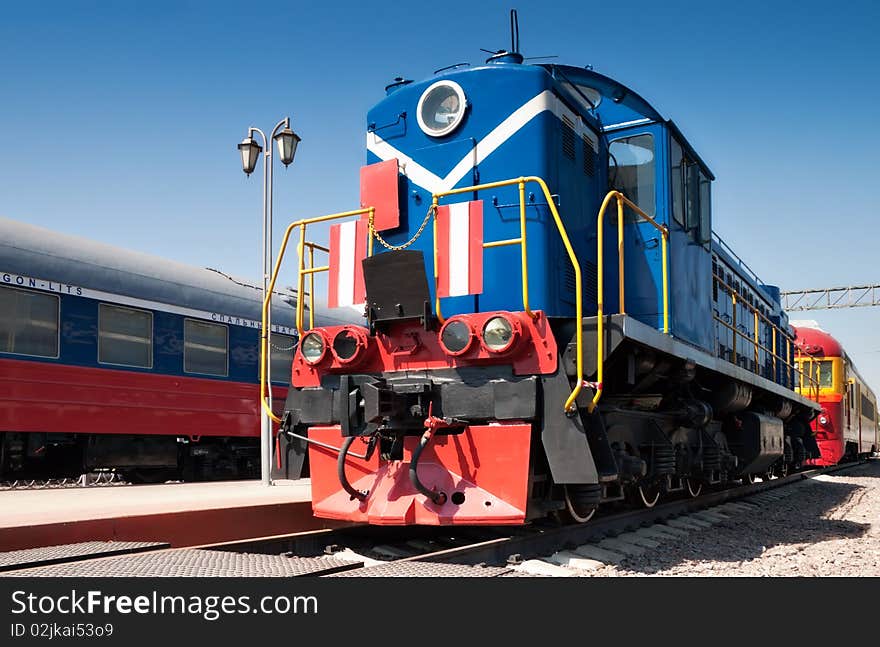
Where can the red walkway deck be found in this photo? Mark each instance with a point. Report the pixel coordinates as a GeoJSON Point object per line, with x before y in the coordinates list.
{"type": "Point", "coordinates": [183, 514]}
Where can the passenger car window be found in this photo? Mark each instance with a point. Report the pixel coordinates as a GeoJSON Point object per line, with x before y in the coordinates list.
{"type": "Point", "coordinates": [283, 347]}
{"type": "Point", "coordinates": [28, 322]}
{"type": "Point", "coordinates": [632, 169]}
{"type": "Point", "coordinates": [205, 348]}
{"type": "Point", "coordinates": [125, 336]}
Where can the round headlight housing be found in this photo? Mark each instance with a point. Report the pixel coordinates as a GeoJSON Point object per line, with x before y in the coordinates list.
{"type": "Point", "coordinates": [456, 337]}
{"type": "Point", "coordinates": [313, 347]}
{"type": "Point", "coordinates": [499, 334]}
{"type": "Point", "coordinates": [441, 108]}
{"type": "Point", "coordinates": [349, 345]}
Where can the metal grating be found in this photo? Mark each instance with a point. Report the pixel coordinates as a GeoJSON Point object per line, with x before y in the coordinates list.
{"type": "Point", "coordinates": [590, 282]}
{"type": "Point", "coordinates": [567, 137]}
{"type": "Point", "coordinates": [589, 157]}
{"type": "Point", "coordinates": [16, 559]}
{"type": "Point", "coordinates": [193, 563]}
{"type": "Point", "coordinates": [425, 569]}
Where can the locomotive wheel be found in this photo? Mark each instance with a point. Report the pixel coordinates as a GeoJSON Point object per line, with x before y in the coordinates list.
{"type": "Point", "coordinates": [767, 476]}
{"type": "Point", "coordinates": [694, 488]}
{"type": "Point", "coordinates": [580, 505]}
{"type": "Point", "coordinates": [649, 495]}
{"type": "Point", "coordinates": [749, 479]}
{"type": "Point", "coordinates": [783, 470]}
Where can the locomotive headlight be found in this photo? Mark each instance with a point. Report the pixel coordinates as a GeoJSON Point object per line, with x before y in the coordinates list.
{"type": "Point", "coordinates": [313, 347]}
{"type": "Point", "coordinates": [456, 336]}
{"type": "Point", "coordinates": [499, 334]}
{"type": "Point", "coordinates": [441, 108]}
{"type": "Point", "coordinates": [823, 420]}
{"type": "Point", "coordinates": [349, 344]}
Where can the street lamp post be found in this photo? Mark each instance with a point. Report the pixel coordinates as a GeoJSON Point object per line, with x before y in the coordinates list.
{"type": "Point", "coordinates": [250, 150]}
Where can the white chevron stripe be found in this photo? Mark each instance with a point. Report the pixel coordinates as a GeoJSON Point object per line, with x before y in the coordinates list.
{"type": "Point", "coordinates": [417, 173]}
{"type": "Point", "coordinates": [424, 178]}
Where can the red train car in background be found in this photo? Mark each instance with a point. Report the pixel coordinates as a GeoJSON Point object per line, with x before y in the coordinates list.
{"type": "Point", "coordinates": [848, 425]}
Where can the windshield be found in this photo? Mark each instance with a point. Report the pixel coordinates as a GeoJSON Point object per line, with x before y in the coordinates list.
{"type": "Point", "coordinates": [819, 370]}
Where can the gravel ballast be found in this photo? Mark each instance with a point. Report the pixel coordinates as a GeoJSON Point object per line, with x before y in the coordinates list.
{"type": "Point", "coordinates": [826, 526]}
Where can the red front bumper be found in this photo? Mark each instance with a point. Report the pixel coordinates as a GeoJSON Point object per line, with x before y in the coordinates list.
{"type": "Point", "coordinates": [487, 465]}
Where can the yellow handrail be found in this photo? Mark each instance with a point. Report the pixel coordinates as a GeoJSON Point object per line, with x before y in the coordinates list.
{"type": "Point", "coordinates": [311, 271]}
{"type": "Point", "coordinates": [815, 377]}
{"type": "Point", "coordinates": [600, 277]}
{"type": "Point", "coordinates": [521, 241]}
{"type": "Point", "coordinates": [737, 298]}
{"type": "Point", "coordinates": [775, 356]}
{"type": "Point", "coordinates": [301, 274]}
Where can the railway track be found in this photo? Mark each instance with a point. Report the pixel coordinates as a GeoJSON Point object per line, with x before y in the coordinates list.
{"type": "Point", "coordinates": [389, 551]}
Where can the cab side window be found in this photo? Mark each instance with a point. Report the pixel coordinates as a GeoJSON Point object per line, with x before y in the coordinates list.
{"type": "Point", "coordinates": [691, 195]}
{"type": "Point", "coordinates": [677, 170]}
{"type": "Point", "coordinates": [632, 169]}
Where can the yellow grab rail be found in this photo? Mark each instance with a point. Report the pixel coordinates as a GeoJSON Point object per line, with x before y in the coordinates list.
{"type": "Point", "coordinates": [814, 376]}
{"type": "Point", "coordinates": [301, 274]}
{"type": "Point", "coordinates": [738, 299]}
{"type": "Point", "coordinates": [622, 201]}
{"type": "Point", "coordinates": [521, 241]}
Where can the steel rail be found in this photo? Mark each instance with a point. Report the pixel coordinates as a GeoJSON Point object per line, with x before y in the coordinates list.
{"type": "Point", "coordinates": [492, 545]}
{"type": "Point", "coordinates": [548, 540]}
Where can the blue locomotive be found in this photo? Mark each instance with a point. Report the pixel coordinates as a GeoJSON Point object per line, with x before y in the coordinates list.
{"type": "Point", "coordinates": [551, 322]}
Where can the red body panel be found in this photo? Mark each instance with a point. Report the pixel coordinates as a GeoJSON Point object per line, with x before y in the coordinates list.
{"type": "Point", "coordinates": [46, 397]}
{"type": "Point", "coordinates": [829, 437]}
{"type": "Point", "coordinates": [379, 189]}
{"type": "Point", "coordinates": [409, 347]}
{"type": "Point", "coordinates": [817, 342]}
{"type": "Point", "coordinates": [489, 464]}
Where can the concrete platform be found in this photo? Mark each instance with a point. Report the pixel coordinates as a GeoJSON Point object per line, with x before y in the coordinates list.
{"type": "Point", "coordinates": [182, 514]}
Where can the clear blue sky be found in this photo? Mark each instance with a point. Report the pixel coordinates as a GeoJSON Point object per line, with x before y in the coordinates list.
{"type": "Point", "coordinates": [120, 120]}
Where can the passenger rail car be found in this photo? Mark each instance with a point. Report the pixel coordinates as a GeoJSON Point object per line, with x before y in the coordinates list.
{"type": "Point", "coordinates": [115, 359]}
{"type": "Point", "coordinates": [848, 426]}
{"type": "Point", "coordinates": [551, 322]}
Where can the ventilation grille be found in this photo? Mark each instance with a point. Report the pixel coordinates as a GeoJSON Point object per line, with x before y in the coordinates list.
{"type": "Point", "coordinates": [569, 279]}
{"type": "Point", "coordinates": [589, 158]}
{"type": "Point", "coordinates": [567, 138]}
{"type": "Point", "coordinates": [591, 276]}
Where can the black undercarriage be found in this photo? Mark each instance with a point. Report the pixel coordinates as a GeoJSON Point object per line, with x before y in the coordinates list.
{"type": "Point", "coordinates": [137, 458]}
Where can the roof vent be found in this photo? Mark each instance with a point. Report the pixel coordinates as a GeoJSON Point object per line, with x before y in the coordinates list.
{"type": "Point", "coordinates": [503, 56]}
{"type": "Point", "coordinates": [398, 83]}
